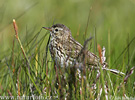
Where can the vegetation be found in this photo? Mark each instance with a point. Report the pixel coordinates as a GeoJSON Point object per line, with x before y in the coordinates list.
{"type": "Point", "coordinates": [26, 67]}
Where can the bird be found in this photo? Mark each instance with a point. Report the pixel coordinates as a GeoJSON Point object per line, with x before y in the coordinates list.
{"type": "Point", "coordinates": [65, 50]}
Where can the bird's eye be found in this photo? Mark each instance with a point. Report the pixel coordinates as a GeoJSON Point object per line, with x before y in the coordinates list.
{"type": "Point", "coordinates": [56, 30]}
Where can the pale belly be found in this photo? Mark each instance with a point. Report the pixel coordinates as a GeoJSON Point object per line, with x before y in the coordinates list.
{"type": "Point", "coordinates": [59, 56]}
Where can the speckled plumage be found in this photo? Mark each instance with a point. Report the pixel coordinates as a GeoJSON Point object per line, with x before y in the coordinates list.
{"type": "Point", "coordinates": [65, 50]}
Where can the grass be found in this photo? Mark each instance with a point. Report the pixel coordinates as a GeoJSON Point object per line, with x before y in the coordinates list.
{"type": "Point", "coordinates": [30, 71]}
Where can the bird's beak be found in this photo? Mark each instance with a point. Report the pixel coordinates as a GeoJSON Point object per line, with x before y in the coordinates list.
{"type": "Point", "coordinates": [47, 28]}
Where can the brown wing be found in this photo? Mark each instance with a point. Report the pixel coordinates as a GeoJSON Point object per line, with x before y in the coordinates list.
{"type": "Point", "coordinates": [92, 59]}
{"type": "Point", "coordinates": [73, 50]}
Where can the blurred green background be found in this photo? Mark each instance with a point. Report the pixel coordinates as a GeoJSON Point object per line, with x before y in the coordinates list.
{"type": "Point", "coordinates": [114, 17]}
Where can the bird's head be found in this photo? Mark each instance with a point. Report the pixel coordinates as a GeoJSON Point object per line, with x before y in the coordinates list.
{"type": "Point", "coordinates": [59, 31]}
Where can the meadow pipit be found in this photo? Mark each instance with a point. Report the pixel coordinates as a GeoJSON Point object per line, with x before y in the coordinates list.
{"type": "Point", "coordinates": [65, 50]}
